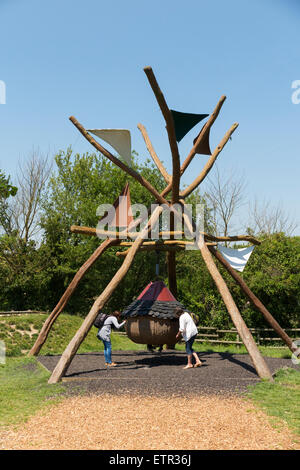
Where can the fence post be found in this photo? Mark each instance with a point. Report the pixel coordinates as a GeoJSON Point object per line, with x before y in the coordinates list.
{"type": "Point", "coordinates": [258, 337]}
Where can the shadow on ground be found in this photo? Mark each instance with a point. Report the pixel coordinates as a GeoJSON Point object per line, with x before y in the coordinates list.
{"type": "Point", "coordinates": [156, 373]}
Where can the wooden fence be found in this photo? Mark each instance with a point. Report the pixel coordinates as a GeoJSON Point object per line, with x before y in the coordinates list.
{"type": "Point", "coordinates": [23, 312]}
{"type": "Point", "coordinates": [262, 336]}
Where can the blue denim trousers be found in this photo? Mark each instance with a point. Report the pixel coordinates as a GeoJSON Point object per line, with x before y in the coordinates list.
{"type": "Point", "coordinates": [189, 345]}
{"type": "Point", "coordinates": [107, 351]}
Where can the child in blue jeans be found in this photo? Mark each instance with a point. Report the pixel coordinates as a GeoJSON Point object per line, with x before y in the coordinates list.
{"type": "Point", "coordinates": [188, 330]}
{"type": "Point", "coordinates": [104, 335]}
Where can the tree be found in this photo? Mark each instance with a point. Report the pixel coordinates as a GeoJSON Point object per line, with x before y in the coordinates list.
{"type": "Point", "coordinates": [272, 273]}
{"type": "Point", "coordinates": [6, 189]}
{"type": "Point", "coordinates": [266, 219]}
{"type": "Point", "coordinates": [22, 263]}
{"type": "Point", "coordinates": [25, 209]}
{"type": "Point", "coordinates": [225, 195]}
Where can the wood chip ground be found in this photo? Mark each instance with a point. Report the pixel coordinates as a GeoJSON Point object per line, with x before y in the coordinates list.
{"type": "Point", "coordinates": [158, 423]}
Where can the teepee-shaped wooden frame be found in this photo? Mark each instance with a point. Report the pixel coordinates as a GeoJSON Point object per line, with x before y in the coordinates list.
{"type": "Point", "coordinates": [138, 243]}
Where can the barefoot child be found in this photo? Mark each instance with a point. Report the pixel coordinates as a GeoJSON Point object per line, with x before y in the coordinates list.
{"type": "Point", "coordinates": [104, 335]}
{"type": "Point", "coordinates": [188, 330]}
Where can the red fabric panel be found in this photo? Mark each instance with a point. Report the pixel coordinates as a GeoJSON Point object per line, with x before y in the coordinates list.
{"type": "Point", "coordinates": [156, 291]}
{"type": "Point", "coordinates": [123, 213]}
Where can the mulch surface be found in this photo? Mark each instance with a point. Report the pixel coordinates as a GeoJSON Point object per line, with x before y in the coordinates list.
{"type": "Point", "coordinates": [144, 373]}
{"type": "Point", "coordinates": [149, 402]}
{"type": "Point", "coordinates": [137, 422]}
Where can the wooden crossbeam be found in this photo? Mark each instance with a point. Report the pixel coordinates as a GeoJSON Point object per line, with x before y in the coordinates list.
{"type": "Point", "coordinates": [153, 248]}
{"type": "Point", "coordinates": [165, 242]}
{"type": "Point", "coordinates": [167, 246]}
{"type": "Point", "coordinates": [176, 233]}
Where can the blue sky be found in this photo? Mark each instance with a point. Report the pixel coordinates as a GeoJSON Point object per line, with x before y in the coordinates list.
{"type": "Point", "coordinates": [63, 58]}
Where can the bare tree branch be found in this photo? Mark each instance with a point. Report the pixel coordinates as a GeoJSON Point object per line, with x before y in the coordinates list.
{"type": "Point", "coordinates": [267, 219]}
{"type": "Point", "coordinates": [24, 209]}
{"type": "Point", "coordinates": [226, 196]}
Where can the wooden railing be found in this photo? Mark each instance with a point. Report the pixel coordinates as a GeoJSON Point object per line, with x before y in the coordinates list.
{"type": "Point", "coordinates": [262, 336]}
{"type": "Point", "coordinates": [23, 312]}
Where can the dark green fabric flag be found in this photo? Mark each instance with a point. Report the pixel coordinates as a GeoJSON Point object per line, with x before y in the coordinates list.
{"type": "Point", "coordinates": [204, 147]}
{"type": "Point", "coordinates": [184, 122]}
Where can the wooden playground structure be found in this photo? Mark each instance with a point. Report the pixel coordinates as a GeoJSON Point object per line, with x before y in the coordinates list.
{"type": "Point", "coordinates": [139, 241]}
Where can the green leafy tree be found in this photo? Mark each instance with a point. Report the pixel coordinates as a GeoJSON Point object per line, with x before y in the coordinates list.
{"type": "Point", "coordinates": [80, 185]}
{"type": "Point", "coordinates": [6, 189]}
{"type": "Point", "coordinates": [273, 274]}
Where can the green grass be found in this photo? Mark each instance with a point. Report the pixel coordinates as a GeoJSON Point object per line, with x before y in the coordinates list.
{"type": "Point", "coordinates": [17, 331]}
{"type": "Point", "coordinates": [24, 390]}
{"type": "Point", "coordinates": [284, 353]}
{"type": "Point", "coordinates": [281, 399]}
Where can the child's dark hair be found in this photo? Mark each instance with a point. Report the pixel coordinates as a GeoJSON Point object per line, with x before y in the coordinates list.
{"type": "Point", "coordinates": [178, 311]}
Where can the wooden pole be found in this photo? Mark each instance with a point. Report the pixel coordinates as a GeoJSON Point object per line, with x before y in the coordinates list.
{"type": "Point", "coordinates": [209, 163]}
{"type": "Point", "coordinates": [254, 300]}
{"type": "Point", "coordinates": [172, 279]}
{"type": "Point", "coordinates": [99, 303]}
{"type": "Point", "coordinates": [43, 335]}
{"type": "Point", "coordinates": [242, 329]}
{"type": "Point", "coordinates": [171, 262]}
{"type": "Point", "coordinates": [153, 154]}
{"type": "Point", "coordinates": [170, 130]}
{"type": "Point", "coordinates": [232, 238]}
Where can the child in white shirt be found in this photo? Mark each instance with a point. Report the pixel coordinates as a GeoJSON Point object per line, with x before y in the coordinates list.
{"type": "Point", "coordinates": [188, 330]}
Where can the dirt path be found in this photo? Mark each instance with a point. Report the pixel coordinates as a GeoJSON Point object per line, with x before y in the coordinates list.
{"type": "Point", "coordinates": [140, 372]}
{"type": "Point", "coordinates": [158, 423]}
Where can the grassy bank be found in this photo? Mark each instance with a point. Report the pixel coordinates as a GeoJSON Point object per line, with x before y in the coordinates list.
{"type": "Point", "coordinates": [19, 333]}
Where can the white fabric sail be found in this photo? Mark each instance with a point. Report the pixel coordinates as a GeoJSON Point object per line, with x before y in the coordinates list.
{"type": "Point", "coordinates": [236, 258]}
{"type": "Point", "coordinates": [119, 139]}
